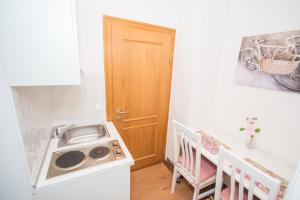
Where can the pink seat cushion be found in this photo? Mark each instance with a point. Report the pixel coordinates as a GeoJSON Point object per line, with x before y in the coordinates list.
{"type": "Point", "coordinates": [207, 168]}
{"type": "Point", "coordinates": [225, 194]}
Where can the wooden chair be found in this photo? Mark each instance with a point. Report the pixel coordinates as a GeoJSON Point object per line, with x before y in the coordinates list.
{"type": "Point", "coordinates": [242, 188]}
{"type": "Point", "coordinates": [189, 163]}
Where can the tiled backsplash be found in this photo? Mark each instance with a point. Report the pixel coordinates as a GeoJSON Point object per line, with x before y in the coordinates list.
{"type": "Point", "coordinates": [34, 116]}
{"type": "Point", "coordinates": [35, 141]}
{"type": "Point", "coordinates": [40, 108]}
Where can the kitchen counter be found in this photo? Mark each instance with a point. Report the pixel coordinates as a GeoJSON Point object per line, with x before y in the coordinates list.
{"type": "Point", "coordinates": [109, 172]}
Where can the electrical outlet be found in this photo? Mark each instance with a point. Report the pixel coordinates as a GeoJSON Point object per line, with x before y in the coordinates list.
{"type": "Point", "coordinates": [98, 107]}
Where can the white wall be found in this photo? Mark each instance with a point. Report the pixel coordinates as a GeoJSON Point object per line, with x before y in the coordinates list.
{"type": "Point", "coordinates": [278, 112]}
{"type": "Point", "coordinates": [199, 43]}
{"type": "Point", "coordinates": [203, 89]}
{"type": "Point", "coordinates": [78, 103]}
{"type": "Point", "coordinates": [15, 182]}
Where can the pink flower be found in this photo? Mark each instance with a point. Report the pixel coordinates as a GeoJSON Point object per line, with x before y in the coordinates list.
{"type": "Point", "coordinates": [251, 130]}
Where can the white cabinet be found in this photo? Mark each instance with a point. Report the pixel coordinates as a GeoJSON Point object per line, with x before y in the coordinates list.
{"type": "Point", "coordinates": [110, 184]}
{"type": "Point", "coordinates": [38, 42]}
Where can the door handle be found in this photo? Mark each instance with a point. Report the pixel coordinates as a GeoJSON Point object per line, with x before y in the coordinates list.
{"type": "Point", "coordinates": [119, 113]}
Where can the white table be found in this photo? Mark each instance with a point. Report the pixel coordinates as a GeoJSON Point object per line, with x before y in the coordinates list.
{"type": "Point", "coordinates": [268, 161]}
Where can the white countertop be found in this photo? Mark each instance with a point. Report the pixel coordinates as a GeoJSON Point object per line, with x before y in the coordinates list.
{"type": "Point", "coordinates": [43, 184]}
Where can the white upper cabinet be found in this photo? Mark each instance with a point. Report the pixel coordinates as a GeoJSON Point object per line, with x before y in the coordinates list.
{"type": "Point", "coordinates": [38, 42]}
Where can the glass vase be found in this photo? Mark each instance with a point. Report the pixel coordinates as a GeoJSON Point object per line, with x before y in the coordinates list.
{"type": "Point", "coordinates": [251, 143]}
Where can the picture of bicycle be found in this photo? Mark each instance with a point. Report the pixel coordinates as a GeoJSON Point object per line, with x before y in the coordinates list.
{"type": "Point", "coordinates": [275, 57]}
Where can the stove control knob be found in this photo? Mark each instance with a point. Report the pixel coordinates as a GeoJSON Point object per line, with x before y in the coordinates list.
{"type": "Point", "coordinates": [118, 151]}
{"type": "Point", "coordinates": [115, 143]}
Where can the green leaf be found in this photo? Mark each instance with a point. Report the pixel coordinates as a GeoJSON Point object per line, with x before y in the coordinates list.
{"type": "Point", "coordinates": [257, 130]}
{"type": "Point", "coordinates": [254, 118]}
{"type": "Point", "coordinates": [242, 129]}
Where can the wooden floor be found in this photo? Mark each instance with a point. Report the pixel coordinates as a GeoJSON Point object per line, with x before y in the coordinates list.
{"type": "Point", "coordinates": [154, 183]}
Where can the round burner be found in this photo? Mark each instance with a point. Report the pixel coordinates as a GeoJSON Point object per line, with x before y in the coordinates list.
{"type": "Point", "coordinates": [100, 152]}
{"type": "Point", "coordinates": [70, 160]}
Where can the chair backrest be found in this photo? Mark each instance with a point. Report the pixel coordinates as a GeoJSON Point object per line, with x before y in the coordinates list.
{"type": "Point", "coordinates": [187, 144]}
{"type": "Point", "coordinates": [239, 169]}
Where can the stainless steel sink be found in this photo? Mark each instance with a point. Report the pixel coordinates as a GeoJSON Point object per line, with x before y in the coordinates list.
{"type": "Point", "coordinates": [81, 133]}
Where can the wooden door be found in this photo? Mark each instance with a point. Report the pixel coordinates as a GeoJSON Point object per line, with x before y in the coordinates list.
{"type": "Point", "coordinates": [138, 68]}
